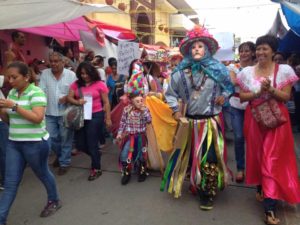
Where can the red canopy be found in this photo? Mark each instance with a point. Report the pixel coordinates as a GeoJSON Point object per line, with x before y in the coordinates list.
{"type": "Point", "coordinates": [113, 31]}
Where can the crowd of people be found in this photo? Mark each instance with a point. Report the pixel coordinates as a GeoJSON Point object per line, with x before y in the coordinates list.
{"type": "Point", "coordinates": [187, 95]}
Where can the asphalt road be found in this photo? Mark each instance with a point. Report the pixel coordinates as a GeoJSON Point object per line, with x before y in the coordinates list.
{"type": "Point", "coordinates": [105, 202]}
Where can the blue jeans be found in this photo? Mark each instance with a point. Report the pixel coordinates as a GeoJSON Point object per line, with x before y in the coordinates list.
{"type": "Point", "coordinates": [18, 154]}
{"type": "Point", "coordinates": [87, 138]}
{"type": "Point", "coordinates": [3, 142]}
{"type": "Point", "coordinates": [61, 139]}
{"type": "Point", "coordinates": [125, 150]}
{"type": "Point", "coordinates": [237, 121]}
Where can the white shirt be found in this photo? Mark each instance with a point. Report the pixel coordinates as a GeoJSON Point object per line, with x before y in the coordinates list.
{"type": "Point", "coordinates": [102, 74]}
{"type": "Point", "coordinates": [56, 89]}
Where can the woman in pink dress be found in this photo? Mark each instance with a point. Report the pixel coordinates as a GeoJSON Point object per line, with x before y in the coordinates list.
{"type": "Point", "coordinates": [270, 156]}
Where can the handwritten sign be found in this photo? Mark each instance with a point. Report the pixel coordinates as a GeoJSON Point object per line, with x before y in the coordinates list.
{"type": "Point", "coordinates": [226, 43]}
{"type": "Point", "coordinates": [127, 51]}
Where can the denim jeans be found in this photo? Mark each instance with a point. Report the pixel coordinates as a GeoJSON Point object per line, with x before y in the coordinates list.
{"type": "Point", "coordinates": [18, 154]}
{"type": "Point", "coordinates": [237, 121]}
{"type": "Point", "coordinates": [61, 139]}
{"type": "Point", "coordinates": [3, 142]}
{"type": "Point", "coordinates": [125, 150]}
{"type": "Point", "coordinates": [87, 138]}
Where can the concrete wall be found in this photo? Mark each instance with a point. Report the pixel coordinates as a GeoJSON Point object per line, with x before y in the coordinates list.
{"type": "Point", "coordinates": [161, 18]}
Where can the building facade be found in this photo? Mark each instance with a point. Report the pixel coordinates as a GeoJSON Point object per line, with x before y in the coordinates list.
{"type": "Point", "coordinates": [158, 22]}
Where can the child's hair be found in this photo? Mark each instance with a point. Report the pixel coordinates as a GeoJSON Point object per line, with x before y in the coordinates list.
{"type": "Point", "coordinates": [134, 95]}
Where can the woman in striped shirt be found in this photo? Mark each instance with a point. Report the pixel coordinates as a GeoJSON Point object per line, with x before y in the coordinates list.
{"type": "Point", "coordinates": [24, 110]}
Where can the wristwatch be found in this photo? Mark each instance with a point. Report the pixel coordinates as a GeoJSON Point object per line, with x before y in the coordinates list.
{"type": "Point", "coordinates": [15, 107]}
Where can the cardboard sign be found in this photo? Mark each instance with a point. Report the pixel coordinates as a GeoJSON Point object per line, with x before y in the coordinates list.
{"type": "Point", "coordinates": [127, 51]}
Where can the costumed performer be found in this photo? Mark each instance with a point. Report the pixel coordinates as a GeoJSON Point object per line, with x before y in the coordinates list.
{"type": "Point", "coordinates": [203, 84]}
{"type": "Point", "coordinates": [132, 129]}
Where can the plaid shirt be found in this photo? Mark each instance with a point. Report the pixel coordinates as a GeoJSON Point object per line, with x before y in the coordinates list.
{"type": "Point", "coordinates": [134, 121]}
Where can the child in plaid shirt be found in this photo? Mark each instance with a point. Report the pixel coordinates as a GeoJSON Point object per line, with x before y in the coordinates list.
{"type": "Point", "coordinates": [132, 130]}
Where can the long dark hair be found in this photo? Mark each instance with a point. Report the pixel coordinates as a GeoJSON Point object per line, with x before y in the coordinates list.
{"type": "Point", "coordinates": [131, 68]}
{"type": "Point", "coordinates": [90, 70]}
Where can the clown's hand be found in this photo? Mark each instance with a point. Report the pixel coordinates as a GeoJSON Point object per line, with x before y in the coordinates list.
{"type": "Point", "coordinates": [177, 116]}
{"type": "Point", "coordinates": [220, 100]}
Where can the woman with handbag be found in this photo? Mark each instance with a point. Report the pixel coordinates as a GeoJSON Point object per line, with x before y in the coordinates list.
{"type": "Point", "coordinates": [271, 161]}
{"type": "Point", "coordinates": [89, 85]}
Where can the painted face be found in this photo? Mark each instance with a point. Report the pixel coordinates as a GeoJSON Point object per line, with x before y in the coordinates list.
{"type": "Point", "coordinates": [56, 64]}
{"type": "Point", "coordinates": [246, 54]}
{"type": "Point", "coordinates": [198, 50]}
{"type": "Point", "coordinates": [85, 77]}
{"type": "Point", "coordinates": [138, 102]}
{"type": "Point", "coordinates": [17, 80]}
{"type": "Point", "coordinates": [264, 53]}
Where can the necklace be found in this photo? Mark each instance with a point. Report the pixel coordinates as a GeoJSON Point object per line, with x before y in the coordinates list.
{"type": "Point", "coordinates": [200, 87]}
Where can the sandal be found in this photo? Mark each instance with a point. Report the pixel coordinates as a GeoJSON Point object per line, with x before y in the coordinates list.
{"type": "Point", "coordinates": [239, 178]}
{"type": "Point", "coordinates": [270, 218]}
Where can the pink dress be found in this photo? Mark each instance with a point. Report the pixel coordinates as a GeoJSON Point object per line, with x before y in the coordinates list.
{"type": "Point", "coordinates": [270, 154]}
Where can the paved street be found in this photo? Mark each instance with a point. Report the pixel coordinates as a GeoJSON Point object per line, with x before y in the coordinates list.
{"type": "Point", "coordinates": [105, 202]}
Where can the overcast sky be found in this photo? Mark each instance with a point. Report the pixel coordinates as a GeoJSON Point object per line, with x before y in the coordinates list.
{"type": "Point", "coordinates": [248, 19]}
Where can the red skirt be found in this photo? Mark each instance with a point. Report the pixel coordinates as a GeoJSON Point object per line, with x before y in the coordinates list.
{"type": "Point", "coordinates": [271, 160]}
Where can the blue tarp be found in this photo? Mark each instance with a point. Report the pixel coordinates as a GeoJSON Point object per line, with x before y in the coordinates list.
{"type": "Point", "coordinates": [290, 43]}
{"type": "Point", "coordinates": [292, 17]}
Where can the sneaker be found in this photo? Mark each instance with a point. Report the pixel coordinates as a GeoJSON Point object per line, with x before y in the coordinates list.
{"type": "Point", "coordinates": [125, 177]}
{"type": "Point", "coordinates": [142, 175]}
{"type": "Point", "coordinates": [62, 170]}
{"type": "Point", "coordinates": [206, 204]}
{"type": "Point", "coordinates": [94, 174]}
{"type": "Point", "coordinates": [50, 208]}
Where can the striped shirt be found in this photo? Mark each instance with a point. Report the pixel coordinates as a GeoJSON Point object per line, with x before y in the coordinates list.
{"type": "Point", "coordinates": [56, 89]}
{"type": "Point", "coordinates": [21, 129]}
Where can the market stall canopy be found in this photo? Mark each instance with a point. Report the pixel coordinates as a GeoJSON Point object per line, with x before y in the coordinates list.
{"type": "Point", "coordinates": [291, 11]}
{"type": "Point", "coordinates": [32, 13]}
{"type": "Point", "coordinates": [70, 30]}
{"type": "Point", "coordinates": [67, 31]}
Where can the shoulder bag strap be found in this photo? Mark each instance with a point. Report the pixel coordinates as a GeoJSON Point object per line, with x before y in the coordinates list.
{"type": "Point", "coordinates": [80, 92]}
{"type": "Point", "coordinates": [275, 75]}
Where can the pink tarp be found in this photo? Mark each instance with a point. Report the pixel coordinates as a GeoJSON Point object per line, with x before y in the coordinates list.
{"type": "Point", "coordinates": [69, 31]}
